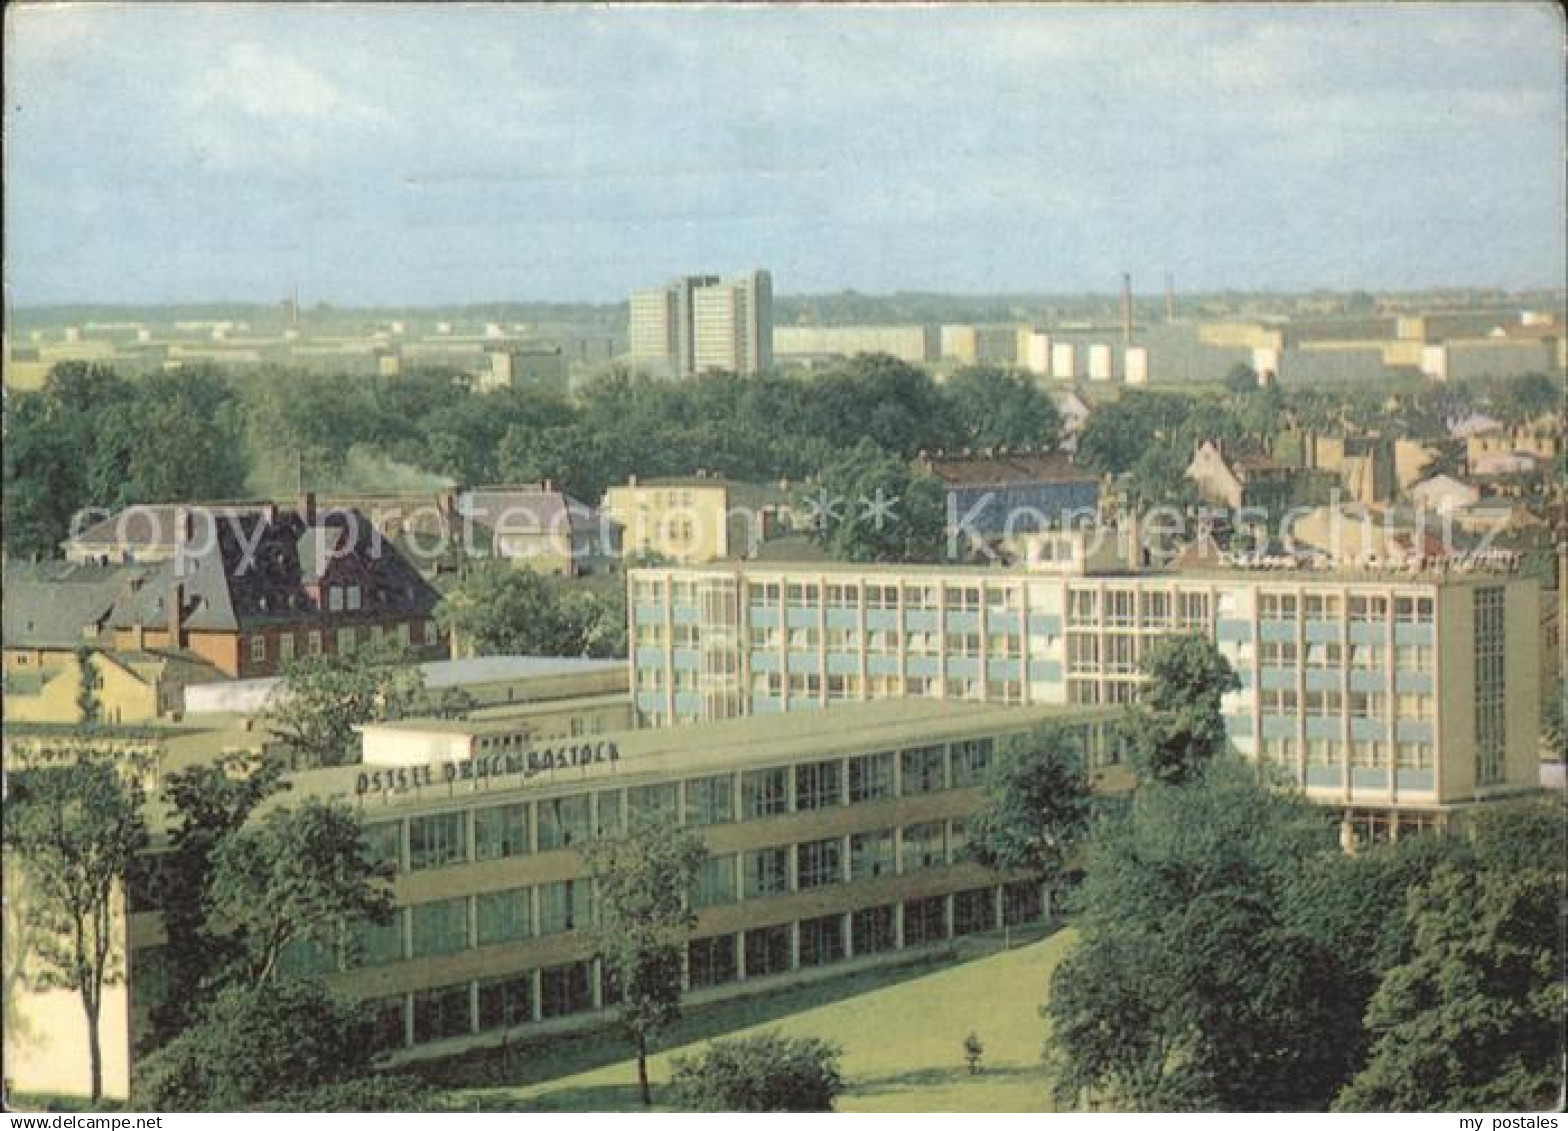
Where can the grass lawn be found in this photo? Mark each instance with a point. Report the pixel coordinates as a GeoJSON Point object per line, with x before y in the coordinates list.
{"type": "Point", "coordinates": [902, 1043]}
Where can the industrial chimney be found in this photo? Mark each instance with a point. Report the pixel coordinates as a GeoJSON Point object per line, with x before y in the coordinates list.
{"type": "Point", "coordinates": [1170, 297]}
{"type": "Point", "coordinates": [1126, 309]}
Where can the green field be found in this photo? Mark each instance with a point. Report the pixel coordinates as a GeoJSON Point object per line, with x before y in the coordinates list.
{"type": "Point", "coordinates": [902, 1044]}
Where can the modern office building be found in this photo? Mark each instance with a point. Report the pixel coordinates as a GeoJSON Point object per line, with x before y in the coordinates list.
{"type": "Point", "coordinates": [701, 322]}
{"type": "Point", "coordinates": [836, 842]}
{"type": "Point", "coordinates": [1395, 697]}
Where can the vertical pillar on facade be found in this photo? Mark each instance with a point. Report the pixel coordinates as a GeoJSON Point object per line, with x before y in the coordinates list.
{"type": "Point", "coordinates": [596, 982]}
{"type": "Point", "coordinates": [794, 944]}
{"type": "Point", "coordinates": [408, 1020]}
{"type": "Point", "coordinates": [947, 916]}
{"type": "Point", "coordinates": [848, 928]}
{"type": "Point", "coordinates": [740, 956]}
{"type": "Point", "coordinates": [535, 995]}
{"type": "Point", "coordinates": [1000, 904]}
{"type": "Point", "coordinates": [473, 1007]}
{"type": "Point", "coordinates": [863, 633]}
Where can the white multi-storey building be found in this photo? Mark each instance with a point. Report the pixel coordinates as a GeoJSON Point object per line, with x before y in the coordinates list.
{"type": "Point", "coordinates": [1401, 694]}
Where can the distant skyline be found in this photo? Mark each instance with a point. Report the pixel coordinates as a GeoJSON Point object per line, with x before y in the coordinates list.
{"type": "Point", "coordinates": [405, 154]}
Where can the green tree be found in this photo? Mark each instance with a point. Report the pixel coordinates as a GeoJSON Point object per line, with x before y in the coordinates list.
{"type": "Point", "coordinates": [1187, 989]}
{"type": "Point", "coordinates": [1473, 1021]}
{"type": "Point", "coordinates": [1037, 804]}
{"type": "Point", "coordinates": [995, 407]}
{"type": "Point", "coordinates": [499, 610]}
{"type": "Point", "coordinates": [76, 829]}
{"type": "Point", "coordinates": [89, 710]}
{"type": "Point", "coordinates": [597, 617]}
{"type": "Point", "coordinates": [208, 805]}
{"type": "Point", "coordinates": [256, 1047]}
{"type": "Point", "coordinates": [867, 506]}
{"type": "Point", "coordinates": [765, 1072]}
{"type": "Point", "coordinates": [1176, 725]}
{"type": "Point", "coordinates": [323, 698]}
{"type": "Point", "coordinates": [1349, 909]}
{"type": "Point", "coordinates": [642, 924]}
{"type": "Point", "coordinates": [301, 872]}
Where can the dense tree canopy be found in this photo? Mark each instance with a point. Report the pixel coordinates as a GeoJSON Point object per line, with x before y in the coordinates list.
{"type": "Point", "coordinates": [1186, 990]}
{"type": "Point", "coordinates": [867, 506]}
{"type": "Point", "coordinates": [209, 805]}
{"type": "Point", "coordinates": [499, 610]}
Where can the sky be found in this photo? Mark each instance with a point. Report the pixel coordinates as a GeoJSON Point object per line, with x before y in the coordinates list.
{"type": "Point", "coordinates": [405, 154]}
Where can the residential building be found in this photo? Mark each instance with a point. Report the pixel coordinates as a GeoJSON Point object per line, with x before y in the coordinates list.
{"type": "Point", "coordinates": [542, 528]}
{"type": "Point", "coordinates": [1443, 494]}
{"type": "Point", "coordinates": [1364, 465]}
{"type": "Point", "coordinates": [697, 518]}
{"type": "Point", "coordinates": [53, 608]}
{"type": "Point", "coordinates": [1388, 696]}
{"type": "Point", "coordinates": [251, 591]}
{"type": "Point", "coordinates": [994, 498]}
{"type": "Point", "coordinates": [1252, 479]}
{"type": "Point", "coordinates": [128, 687]}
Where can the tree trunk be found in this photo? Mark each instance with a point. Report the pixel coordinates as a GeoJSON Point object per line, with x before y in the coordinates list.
{"type": "Point", "coordinates": [94, 1052]}
{"type": "Point", "coordinates": [642, 1071]}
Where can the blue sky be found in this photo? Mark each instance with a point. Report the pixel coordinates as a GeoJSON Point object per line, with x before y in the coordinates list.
{"type": "Point", "coordinates": [410, 154]}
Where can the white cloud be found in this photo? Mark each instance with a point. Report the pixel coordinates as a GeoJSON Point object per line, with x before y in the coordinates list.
{"type": "Point", "coordinates": [265, 106]}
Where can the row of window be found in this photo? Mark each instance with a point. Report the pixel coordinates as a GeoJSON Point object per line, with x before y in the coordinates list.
{"type": "Point", "coordinates": [1112, 606]}
{"type": "Point", "coordinates": [446, 926]}
{"type": "Point", "coordinates": [1362, 755]}
{"type": "Point", "coordinates": [1416, 706]}
{"type": "Point", "coordinates": [1334, 606]}
{"type": "Point", "coordinates": [346, 640]}
{"type": "Point", "coordinates": [528, 996]}
{"type": "Point", "coordinates": [1126, 607]}
{"type": "Point", "coordinates": [1358, 657]}
{"type": "Point", "coordinates": [513, 829]}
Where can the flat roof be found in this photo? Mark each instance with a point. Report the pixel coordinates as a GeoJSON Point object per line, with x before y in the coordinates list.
{"type": "Point", "coordinates": [670, 753]}
{"type": "Point", "coordinates": [441, 674]}
{"type": "Point", "coordinates": [499, 718]}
